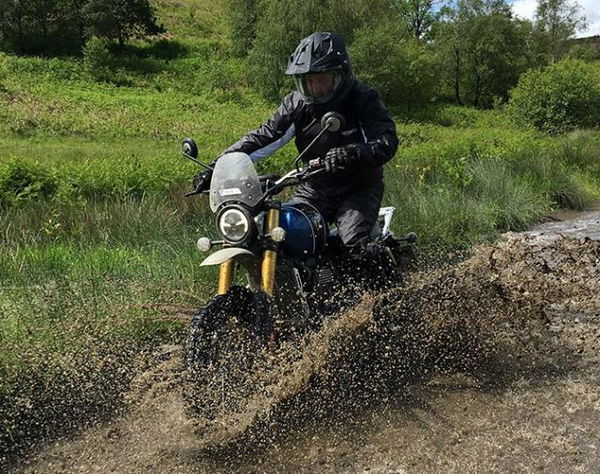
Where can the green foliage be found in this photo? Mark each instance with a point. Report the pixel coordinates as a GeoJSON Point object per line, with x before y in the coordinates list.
{"type": "Point", "coordinates": [404, 71]}
{"type": "Point", "coordinates": [120, 20]}
{"type": "Point", "coordinates": [3, 70]}
{"type": "Point", "coordinates": [482, 50]}
{"type": "Point", "coordinates": [25, 181]}
{"type": "Point", "coordinates": [62, 26]}
{"type": "Point", "coordinates": [556, 21]}
{"type": "Point", "coordinates": [584, 52]}
{"type": "Point", "coordinates": [454, 186]}
{"type": "Point", "coordinates": [41, 26]}
{"type": "Point", "coordinates": [106, 61]}
{"type": "Point", "coordinates": [281, 25]}
{"type": "Point", "coordinates": [417, 15]}
{"type": "Point", "coordinates": [97, 59]}
{"type": "Point", "coordinates": [558, 98]}
{"type": "Point", "coordinates": [242, 16]}
{"type": "Point", "coordinates": [194, 20]}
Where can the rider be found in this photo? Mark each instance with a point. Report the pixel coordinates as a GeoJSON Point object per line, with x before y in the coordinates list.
{"type": "Point", "coordinates": [350, 191]}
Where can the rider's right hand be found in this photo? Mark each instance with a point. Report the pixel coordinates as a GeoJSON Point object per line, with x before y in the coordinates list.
{"type": "Point", "coordinates": [201, 182]}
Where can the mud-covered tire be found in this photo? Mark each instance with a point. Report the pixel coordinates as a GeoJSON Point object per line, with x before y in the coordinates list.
{"type": "Point", "coordinates": [220, 350]}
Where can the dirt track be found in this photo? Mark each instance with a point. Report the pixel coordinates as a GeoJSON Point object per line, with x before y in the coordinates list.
{"type": "Point", "coordinates": [518, 392]}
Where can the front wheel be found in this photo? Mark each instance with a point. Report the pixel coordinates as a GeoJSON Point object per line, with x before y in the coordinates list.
{"type": "Point", "coordinates": [220, 351]}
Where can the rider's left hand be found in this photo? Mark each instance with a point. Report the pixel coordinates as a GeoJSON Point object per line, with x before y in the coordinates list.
{"type": "Point", "coordinates": [339, 159]}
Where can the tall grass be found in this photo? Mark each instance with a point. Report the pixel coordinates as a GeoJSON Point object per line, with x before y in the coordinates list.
{"type": "Point", "coordinates": [456, 188]}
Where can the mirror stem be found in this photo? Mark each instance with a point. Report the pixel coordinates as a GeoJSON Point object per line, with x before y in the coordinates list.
{"type": "Point", "coordinates": [198, 162]}
{"type": "Point", "coordinates": [299, 157]}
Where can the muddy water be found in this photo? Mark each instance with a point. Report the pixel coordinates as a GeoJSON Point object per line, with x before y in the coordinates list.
{"type": "Point", "coordinates": [489, 366]}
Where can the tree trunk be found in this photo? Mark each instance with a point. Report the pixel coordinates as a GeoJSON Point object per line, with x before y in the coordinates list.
{"type": "Point", "coordinates": [457, 77]}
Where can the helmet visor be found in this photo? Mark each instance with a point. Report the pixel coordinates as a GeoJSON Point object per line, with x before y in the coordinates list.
{"type": "Point", "coordinates": [319, 87]}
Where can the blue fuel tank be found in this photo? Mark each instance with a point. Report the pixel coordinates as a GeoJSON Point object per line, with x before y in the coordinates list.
{"type": "Point", "coordinates": [305, 230]}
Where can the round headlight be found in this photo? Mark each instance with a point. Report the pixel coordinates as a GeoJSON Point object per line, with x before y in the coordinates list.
{"type": "Point", "coordinates": [233, 225]}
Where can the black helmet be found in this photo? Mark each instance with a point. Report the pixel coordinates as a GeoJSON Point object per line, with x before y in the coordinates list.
{"type": "Point", "coordinates": [321, 52]}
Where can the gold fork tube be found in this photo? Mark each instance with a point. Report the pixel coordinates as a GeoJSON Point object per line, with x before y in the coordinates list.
{"type": "Point", "coordinates": [226, 271]}
{"type": "Point", "coordinates": [269, 261]}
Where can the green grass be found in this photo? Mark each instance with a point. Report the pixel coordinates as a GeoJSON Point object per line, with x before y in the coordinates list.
{"type": "Point", "coordinates": [194, 18]}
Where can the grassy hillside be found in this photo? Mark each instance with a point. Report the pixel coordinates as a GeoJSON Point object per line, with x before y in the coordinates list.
{"type": "Point", "coordinates": [193, 19]}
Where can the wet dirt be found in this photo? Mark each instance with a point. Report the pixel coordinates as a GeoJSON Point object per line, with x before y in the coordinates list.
{"type": "Point", "coordinates": [489, 366]}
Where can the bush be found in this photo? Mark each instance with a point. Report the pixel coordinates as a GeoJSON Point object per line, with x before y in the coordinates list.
{"type": "Point", "coordinates": [25, 181]}
{"type": "Point", "coordinates": [102, 65]}
{"type": "Point", "coordinates": [585, 52]}
{"type": "Point", "coordinates": [3, 70]}
{"type": "Point", "coordinates": [403, 70]}
{"type": "Point", "coordinates": [97, 59]}
{"type": "Point", "coordinates": [563, 96]}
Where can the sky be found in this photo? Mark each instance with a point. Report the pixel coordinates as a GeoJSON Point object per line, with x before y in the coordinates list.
{"type": "Point", "coordinates": [590, 8]}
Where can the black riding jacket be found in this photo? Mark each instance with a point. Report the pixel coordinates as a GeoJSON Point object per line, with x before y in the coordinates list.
{"type": "Point", "coordinates": [368, 126]}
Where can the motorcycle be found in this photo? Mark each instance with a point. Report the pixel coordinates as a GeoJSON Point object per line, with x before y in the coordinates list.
{"type": "Point", "coordinates": [297, 270]}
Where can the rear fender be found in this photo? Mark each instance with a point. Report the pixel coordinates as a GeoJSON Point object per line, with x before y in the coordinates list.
{"type": "Point", "coordinates": [382, 227]}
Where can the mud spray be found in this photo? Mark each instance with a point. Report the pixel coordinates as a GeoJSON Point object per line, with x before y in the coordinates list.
{"type": "Point", "coordinates": [491, 365]}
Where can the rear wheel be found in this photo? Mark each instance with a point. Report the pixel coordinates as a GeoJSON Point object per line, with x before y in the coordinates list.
{"type": "Point", "coordinates": [220, 350]}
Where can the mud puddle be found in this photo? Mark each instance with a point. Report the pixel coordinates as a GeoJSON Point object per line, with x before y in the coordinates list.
{"type": "Point", "coordinates": [490, 366]}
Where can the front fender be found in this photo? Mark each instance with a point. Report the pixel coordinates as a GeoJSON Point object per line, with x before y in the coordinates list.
{"type": "Point", "coordinates": [221, 256]}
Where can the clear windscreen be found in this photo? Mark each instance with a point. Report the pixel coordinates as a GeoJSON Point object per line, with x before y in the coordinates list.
{"type": "Point", "coordinates": [234, 179]}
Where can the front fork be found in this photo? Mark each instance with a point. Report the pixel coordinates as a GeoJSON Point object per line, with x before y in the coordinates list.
{"type": "Point", "coordinates": [269, 263]}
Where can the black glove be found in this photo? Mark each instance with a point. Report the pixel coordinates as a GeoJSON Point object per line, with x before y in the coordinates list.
{"type": "Point", "coordinates": [340, 158]}
{"type": "Point", "coordinates": [201, 181]}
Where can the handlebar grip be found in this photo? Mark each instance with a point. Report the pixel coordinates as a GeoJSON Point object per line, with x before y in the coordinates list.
{"type": "Point", "coordinates": [316, 164]}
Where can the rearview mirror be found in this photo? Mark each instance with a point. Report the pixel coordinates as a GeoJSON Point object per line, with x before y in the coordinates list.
{"type": "Point", "coordinates": [189, 148]}
{"type": "Point", "coordinates": [332, 121]}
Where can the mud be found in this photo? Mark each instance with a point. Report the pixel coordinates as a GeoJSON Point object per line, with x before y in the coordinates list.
{"type": "Point", "coordinates": [489, 366]}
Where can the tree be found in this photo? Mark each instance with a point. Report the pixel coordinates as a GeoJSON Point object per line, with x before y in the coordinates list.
{"type": "Point", "coordinates": [40, 26]}
{"type": "Point", "coordinates": [418, 15]}
{"type": "Point", "coordinates": [556, 22]}
{"type": "Point", "coordinates": [482, 47]}
{"type": "Point", "coordinates": [63, 26]}
{"type": "Point", "coordinates": [401, 67]}
{"type": "Point", "coordinates": [120, 19]}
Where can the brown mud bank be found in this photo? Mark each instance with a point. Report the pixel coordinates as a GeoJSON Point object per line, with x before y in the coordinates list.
{"type": "Point", "coordinates": [489, 366]}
